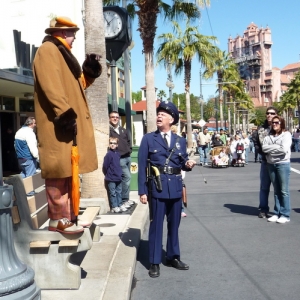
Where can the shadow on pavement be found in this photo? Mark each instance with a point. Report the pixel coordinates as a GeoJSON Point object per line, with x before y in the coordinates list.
{"type": "Point", "coordinates": [242, 209]}
{"type": "Point", "coordinates": [143, 254]}
{"type": "Point", "coordinates": [131, 237]}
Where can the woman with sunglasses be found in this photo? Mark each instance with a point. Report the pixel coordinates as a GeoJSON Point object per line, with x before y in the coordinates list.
{"type": "Point", "coordinates": [277, 146]}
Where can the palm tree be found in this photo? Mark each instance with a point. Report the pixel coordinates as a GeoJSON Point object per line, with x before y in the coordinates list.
{"type": "Point", "coordinates": [209, 109]}
{"type": "Point", "coordinates": [290, 99]}
{"type": "Point", "coordinates": [161, 94]}
{"type": "Point", "coordinates": [179, 49]}
{"type": "Point", "coordinates": [227, 71]}
{"type": "Point", "coordinates": [93, 183]}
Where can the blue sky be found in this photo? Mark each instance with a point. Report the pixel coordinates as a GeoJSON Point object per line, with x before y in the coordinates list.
{"type": "Point", "coordinates": [228, 17]}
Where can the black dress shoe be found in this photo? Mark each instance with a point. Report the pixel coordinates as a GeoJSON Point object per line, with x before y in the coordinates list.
{"type": "Point", "coordinates": [154, 270]}
{"type": "Point", "coordinates": [177, 264]}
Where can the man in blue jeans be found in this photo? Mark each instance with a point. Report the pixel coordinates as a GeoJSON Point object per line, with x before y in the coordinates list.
{"type": "Point", "coordinates": [26, 148]}
{"type": "Point", "coordinates": [203, 141]}
{"type": "Point", "coordinates": [265, 181]}
{"type": "Point", "coordinates": [124, 148]}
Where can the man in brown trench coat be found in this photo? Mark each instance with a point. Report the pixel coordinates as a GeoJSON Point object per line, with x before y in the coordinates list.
{"type": "Point", "coordinates": [61, 108]}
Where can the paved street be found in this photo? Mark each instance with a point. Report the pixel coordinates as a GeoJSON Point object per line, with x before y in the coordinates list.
{"type": "Point", "coordinates": [232, 254]}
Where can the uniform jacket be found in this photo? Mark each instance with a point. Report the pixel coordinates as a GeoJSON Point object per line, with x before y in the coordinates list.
{"type": "Point", "coordinates": [124, 144]}
{"type": "Point", "coordinates": [59, 98]}
{"type": "Point", "coordinates": [153, 147]}
{"type": "Point", "coordinates": [111, 166]}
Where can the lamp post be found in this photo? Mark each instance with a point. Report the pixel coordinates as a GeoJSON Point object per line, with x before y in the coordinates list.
{"type": "Point", "coordinates": [16, 278]}
{"type": "Point", "coordinates": [201, 97]}
{"type": "Point", "coordinates": [169, 82]}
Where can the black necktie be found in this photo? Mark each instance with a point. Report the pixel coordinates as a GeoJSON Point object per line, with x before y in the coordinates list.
{"type": "Point", "coordinates": [165, 139]}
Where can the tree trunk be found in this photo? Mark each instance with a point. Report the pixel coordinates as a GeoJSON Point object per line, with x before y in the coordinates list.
{"type": "Point", "coordinates": [93, 183]}
{"type": "Point", "coordinates": [187, 81]}
{"type": "Point", "coordinates": [298, 104]}
{"type": "Point", "coordinates": [188, 119]}
{"type": "Point", "coordinates": [150, 92]}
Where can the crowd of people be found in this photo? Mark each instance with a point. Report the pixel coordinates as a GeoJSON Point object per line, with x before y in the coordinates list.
{"type": "Point", "coordinates": [239, 145]}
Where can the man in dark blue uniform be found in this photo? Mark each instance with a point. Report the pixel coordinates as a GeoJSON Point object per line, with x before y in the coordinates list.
{"type": "Point", "coordinates": [157, 146]}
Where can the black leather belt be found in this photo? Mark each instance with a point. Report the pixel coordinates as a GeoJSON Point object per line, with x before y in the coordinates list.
{"type": "Point", "coordinates": [169, 170]}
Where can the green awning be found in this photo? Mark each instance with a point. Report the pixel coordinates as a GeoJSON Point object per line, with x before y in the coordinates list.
{"type": "Point", "coordinates": [121, 106]}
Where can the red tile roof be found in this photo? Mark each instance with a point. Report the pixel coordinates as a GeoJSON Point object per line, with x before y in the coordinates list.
{"type": "Point", "coordinates": [292, 66]}
{"type": "Point", "coordinates": [142, 105]}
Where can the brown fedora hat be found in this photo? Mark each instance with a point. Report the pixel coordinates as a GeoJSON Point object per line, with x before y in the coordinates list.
{"type": "Point", "coordinates": [58, 23]}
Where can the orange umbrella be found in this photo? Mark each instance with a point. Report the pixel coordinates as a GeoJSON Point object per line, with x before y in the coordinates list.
{"type": "Point", "coordinates": [75, 177]}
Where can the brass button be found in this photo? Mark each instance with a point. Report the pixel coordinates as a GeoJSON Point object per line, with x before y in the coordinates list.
{"type": "Point", "coordinates": [87, 117]}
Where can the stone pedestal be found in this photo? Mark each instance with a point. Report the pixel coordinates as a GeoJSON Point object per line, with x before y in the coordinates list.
{"type": "Point", "coordinates": [16, 278]}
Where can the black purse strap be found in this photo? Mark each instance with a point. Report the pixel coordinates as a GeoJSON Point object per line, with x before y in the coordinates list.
{"type": "Point", "coordinates": [172, 151]}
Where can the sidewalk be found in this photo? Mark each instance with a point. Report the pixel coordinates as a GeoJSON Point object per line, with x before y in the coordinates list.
{"type": "Point", "coordinates": [107, 269]}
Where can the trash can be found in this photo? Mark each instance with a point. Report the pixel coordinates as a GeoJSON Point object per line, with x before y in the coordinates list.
{"type": "Point", "coordinates": [134, 168]}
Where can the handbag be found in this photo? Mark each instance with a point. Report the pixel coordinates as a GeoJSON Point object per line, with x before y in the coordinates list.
{"type": "Point", "coordinates": [184, 198]}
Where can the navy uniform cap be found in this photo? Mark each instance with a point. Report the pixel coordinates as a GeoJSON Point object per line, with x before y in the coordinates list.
{"type": "Point", "coordinates": [170, 108]}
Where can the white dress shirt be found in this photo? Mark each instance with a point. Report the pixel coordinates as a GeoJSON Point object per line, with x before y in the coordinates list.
{"type": "Point", "coordinates": [168, 136]}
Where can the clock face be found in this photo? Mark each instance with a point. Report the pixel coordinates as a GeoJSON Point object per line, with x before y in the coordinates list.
{"type": "Point", "coordinates": [113, 24]}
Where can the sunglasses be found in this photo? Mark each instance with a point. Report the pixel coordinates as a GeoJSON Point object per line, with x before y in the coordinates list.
{"type": "Point", "coordinates": [114, 117]}
{"type": "Point", "coordinates": [113, 143]}
{"type": "Point", "coordinates": [276, 123]}
{"type": "Point", "coordinates": [270, 113]}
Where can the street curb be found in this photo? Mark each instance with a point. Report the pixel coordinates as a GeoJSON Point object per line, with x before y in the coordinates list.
{"type": "Point", "coordinates": [120, 274]}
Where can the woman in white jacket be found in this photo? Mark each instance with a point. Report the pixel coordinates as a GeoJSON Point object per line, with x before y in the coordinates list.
{"type": "Point", "coordinates": [277, 145]}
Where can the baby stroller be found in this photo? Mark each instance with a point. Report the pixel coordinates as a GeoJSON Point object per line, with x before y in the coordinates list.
{"type": "Point", "coordinates": [238, 155]}
{"type": "Point", "coordinates": [219, 157]}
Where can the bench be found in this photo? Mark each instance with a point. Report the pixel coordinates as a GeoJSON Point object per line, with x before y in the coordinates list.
{"type": "Point", "coordinates": [47, 252]}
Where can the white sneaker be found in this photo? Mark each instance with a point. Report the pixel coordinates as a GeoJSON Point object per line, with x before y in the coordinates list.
{"type": "Point", "coordinates": [123, 208]}
{"type": "Point", "coordinates": [206, 164]}
{"type": "Point", "coordinates": [131, 202]}
{"type": "Point", "coordinates": [126, 205]}
{"type": "Point", "coordinates": [273, 218]}
{"type": "Point", "coordinates": [116, 209]}
{"type": "Point", "coordinates": [283, 220]}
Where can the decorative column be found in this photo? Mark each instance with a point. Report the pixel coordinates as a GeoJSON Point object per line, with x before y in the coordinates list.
{"type": "Point", "coordinates": [16, 278]}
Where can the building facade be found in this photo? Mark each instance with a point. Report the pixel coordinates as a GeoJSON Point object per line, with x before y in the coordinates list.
{"type": "Point", "coordinates": [253, 54]}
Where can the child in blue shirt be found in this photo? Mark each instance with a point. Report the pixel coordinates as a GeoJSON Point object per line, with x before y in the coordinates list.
{"type": "Point", "coordinates": [113, 176]}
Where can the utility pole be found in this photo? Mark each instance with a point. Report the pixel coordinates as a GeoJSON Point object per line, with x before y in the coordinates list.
{"type": "Point", "coordinates": [114, 102]}
{"type": "Point", "coordinates": [169, 82]}
{"type": "Point", "coordinates": [126, 56]}
{"type": "Point", "coordinates": [216, 114]}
